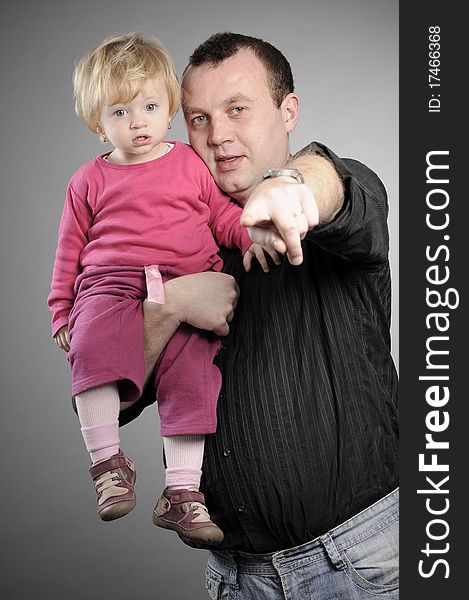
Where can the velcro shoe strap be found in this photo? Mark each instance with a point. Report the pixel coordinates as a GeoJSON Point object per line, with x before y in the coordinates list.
{"type": "Point", "coordinates": [185, 496]}
{"type": "Point", "coordinates": [115, 462]}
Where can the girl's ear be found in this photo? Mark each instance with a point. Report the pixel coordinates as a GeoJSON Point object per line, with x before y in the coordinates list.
{"type": "Point", "coordinates": [102, 135]}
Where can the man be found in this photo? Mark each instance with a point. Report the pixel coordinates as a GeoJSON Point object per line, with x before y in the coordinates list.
{"type": "Point", "coordinates": [302, 473]}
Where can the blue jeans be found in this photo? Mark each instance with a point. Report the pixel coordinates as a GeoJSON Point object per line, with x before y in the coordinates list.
{"type": "Point", "coordinates": [357, 559]}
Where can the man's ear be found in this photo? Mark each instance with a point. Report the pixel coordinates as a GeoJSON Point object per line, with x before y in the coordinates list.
{"type": "Point", "coordinates": [290, 109]}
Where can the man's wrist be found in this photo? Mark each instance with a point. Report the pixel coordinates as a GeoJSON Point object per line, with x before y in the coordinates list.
{"type": "Point", "coordinates": [165, 313]}
{"type": "Point", "coordinates": [285, 172]}
{"type": "Point", "coordinates": [169, 310]}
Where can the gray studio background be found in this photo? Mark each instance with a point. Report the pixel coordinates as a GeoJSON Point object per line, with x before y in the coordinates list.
{"type": "Point", "coordinates": [344, 56]}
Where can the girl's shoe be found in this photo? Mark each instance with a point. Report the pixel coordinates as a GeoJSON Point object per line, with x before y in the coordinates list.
{"type": "Point", "coordinates": [114, 480]}
{"type": "Point", "coordinates": [184, 511]}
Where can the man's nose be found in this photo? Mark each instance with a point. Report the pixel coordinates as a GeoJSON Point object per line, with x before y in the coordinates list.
{"type": "Point", "coordinates": [220, 132]}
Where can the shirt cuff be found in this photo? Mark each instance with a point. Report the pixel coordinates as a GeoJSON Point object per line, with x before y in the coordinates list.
{"type": "Point", "coordinates": [58, 323]}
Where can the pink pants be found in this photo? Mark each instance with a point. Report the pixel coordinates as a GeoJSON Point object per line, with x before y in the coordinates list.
{"type": "Point", "coordinates": [106, 345]}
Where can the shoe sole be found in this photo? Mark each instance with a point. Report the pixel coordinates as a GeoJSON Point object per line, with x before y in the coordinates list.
{"type": "Point", "coordinates": [117, 510]}
{"type": "Point", "coordinates": [211, 536]}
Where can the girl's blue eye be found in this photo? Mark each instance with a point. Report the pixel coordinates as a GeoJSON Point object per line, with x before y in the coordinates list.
{"type": "Point", "coordinates": [151, 107]}
{"type": "Point", "coordinates": [120, 112]}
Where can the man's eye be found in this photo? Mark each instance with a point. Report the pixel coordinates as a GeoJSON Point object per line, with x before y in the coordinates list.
{"type": "Point", "coordinates": [237, 110]}
{"type": "Point", "coordinates": [199, 120]}
{"type": "Point", "coordinates": [151, 107]}
{"type": "Point", "coordinates": [120, 112]}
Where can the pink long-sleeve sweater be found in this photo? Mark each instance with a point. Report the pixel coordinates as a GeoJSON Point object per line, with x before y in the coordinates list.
{"type": "Point", "coordinates": [164, 212]}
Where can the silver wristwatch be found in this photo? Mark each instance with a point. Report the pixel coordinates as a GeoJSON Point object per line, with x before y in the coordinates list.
{"type": "Point", "coordinates": [284, 173]}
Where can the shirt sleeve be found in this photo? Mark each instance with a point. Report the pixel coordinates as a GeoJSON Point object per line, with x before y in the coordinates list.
{"type": "Point", "coordinates": [224, 218]}
{"type": "Point", "coordinates": [359, 232]}
{"type": "Point", "coordinates": [74, 224]}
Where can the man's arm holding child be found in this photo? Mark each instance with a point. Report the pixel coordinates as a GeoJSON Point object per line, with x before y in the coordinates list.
{"type": "Point", "coordinates": [204, 300]}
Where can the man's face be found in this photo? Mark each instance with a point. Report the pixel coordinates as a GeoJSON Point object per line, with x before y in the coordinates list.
{"type": "Point", "coordinates": [233, 123]}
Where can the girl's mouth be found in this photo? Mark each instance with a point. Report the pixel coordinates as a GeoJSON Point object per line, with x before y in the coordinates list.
{"type": "Point", "coordinates": [141, 140]}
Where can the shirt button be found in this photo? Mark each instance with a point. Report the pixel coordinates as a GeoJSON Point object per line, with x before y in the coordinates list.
{"type": "Point", "coordinates": [241, 508]}
{"type": "Point", "coordinates": [227, 452]}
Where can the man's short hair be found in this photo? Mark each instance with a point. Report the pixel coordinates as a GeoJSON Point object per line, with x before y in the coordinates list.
{"type": "Point", "coordinates": [221, 46]}
{"type": "Point", "coordinates": [117, 70]}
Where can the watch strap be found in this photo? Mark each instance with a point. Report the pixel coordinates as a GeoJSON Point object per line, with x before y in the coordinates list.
{"type": "Point", "coordinates": [284, 173]}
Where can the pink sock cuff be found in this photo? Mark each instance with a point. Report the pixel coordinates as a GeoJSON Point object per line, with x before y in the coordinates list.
{"type": "Point", "coordinates": [101, 442]}
{"type": "Point", "coordinates": [183, 477]}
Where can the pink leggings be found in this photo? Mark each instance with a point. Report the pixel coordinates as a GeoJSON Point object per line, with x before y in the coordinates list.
{"type": "Point", "coordinates": [106, 344]}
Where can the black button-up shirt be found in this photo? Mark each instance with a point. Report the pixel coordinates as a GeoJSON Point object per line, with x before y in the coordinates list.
{"type": "Point", "coordinates": [307, 416]}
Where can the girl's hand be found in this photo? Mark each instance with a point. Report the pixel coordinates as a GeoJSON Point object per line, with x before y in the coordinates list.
{"type": "Point", "coordinates": [259, 252]}
{"type": "Point", "coordinates": [61, 338]}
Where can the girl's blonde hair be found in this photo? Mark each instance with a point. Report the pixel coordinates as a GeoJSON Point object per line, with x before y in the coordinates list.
{"type": "Point", "coordinates": [115, 72]}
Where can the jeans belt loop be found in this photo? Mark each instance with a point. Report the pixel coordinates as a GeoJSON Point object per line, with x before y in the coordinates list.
{"type": "Point", "coordinates": [233, 576]}
{"type": "Point", "coordinates": [332, 552]}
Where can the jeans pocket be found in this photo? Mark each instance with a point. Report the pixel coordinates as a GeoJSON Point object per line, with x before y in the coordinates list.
{"type": "Point", "coordinates": [214, 584]}
{"type": "Point", "coordinates": [373, 563]}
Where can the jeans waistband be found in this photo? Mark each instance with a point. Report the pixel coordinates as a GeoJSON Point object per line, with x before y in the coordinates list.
{"type": "Point", "coordinates": [356, 529]}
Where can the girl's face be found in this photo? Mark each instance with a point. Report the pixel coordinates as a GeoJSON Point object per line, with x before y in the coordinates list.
{"type": "Point", "coordinates": [138, 128]}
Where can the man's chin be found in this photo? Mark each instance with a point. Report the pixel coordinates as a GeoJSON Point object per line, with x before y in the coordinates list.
{"type": "Point", "coordinates": [234, 187]}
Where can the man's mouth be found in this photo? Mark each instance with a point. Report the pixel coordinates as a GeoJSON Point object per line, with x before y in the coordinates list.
{"type": "Point", "coordinates": [228, 162]}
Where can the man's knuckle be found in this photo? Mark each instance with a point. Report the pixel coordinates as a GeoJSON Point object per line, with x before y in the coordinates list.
{"type": "Point", "coordinates": [290, 229]}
